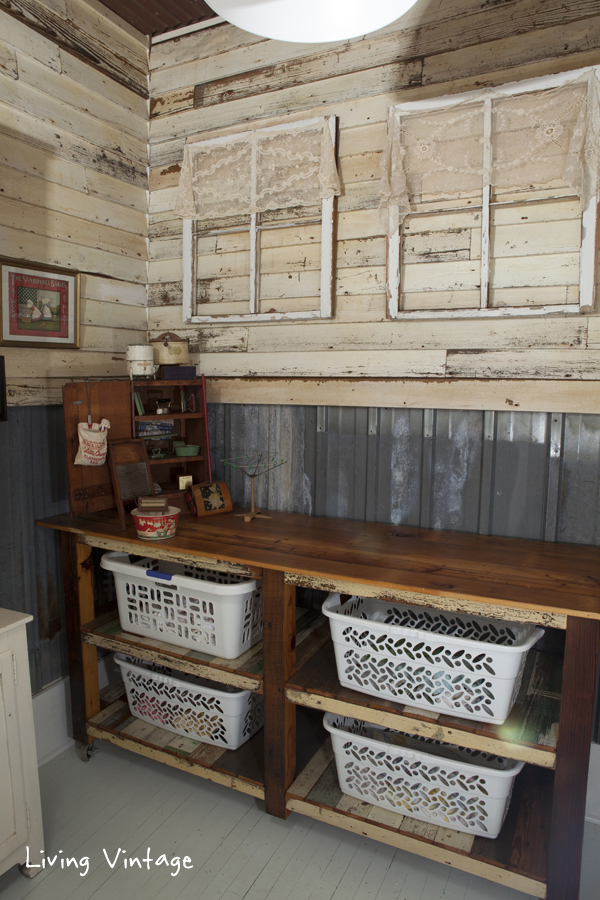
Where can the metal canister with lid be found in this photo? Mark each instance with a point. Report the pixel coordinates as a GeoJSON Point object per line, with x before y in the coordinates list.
{"type": "Point", "coordinates": [170, 350]}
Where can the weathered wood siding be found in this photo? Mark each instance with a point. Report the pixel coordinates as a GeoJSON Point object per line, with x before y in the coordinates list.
{"type": "Point", "coordinates": [73, 156]}
{"type": "Point", "coordinates": [223, 78]}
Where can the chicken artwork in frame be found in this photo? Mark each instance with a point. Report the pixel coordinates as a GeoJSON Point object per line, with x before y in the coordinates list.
{"type": "Point", "coordinates": [40, 305]}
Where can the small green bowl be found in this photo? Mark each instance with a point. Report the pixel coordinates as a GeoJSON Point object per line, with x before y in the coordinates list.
{"type": "Point", "coordinates": [188, 450]}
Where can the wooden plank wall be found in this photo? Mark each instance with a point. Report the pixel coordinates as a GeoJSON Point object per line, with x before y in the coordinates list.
{"type": "Point", "coordinates": [73, 178]}
{"type": "Point", "coordinates": [222, 77]}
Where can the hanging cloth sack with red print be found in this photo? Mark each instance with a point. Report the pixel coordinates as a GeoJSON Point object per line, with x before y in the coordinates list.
{"type": "Point", "coordinates": [92, 443]}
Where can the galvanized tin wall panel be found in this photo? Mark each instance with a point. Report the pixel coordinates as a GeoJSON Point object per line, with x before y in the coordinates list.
{"type": "Point", "coordinates": [33, 485]}
{"type": "Point", "coordinates": [517, 474]}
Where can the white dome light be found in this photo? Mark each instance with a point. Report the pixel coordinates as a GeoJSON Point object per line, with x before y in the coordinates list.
{"type": "Point", "coordinates": [311, 21]}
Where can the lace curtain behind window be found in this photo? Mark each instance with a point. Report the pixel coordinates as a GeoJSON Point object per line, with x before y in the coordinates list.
{"type": "Point", "coordinates": [257, 171]}
{"type": "Point", "coordinates": [538, 139]}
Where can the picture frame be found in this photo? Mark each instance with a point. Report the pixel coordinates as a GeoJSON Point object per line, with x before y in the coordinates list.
{"type": "Point", "coordinates": [39, 305]}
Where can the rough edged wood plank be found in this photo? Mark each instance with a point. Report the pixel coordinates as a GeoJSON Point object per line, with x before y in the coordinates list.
{"type": "Point", "coordinates": [279, 649]}
{"type": "Point", "coordinates": [117, 706]}
{"type": "Point", "coordinates": [174, 556]}
{"type": "Point", "coordinates": [572, 758]}
{"type": "Point", "coordinates": [415, 393]}
{"type": "Point", "coordinates": [84, 46]}
{"type": "Point", "coordinates": [327, 791]}
{"type": "Point", "coordinates": [128, 643]}
{"type": "Point", "coordinates": [79, 608]}
{"type": "Point", "coordinates": [549, 620]}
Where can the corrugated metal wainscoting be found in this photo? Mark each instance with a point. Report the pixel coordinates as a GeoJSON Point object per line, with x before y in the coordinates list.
{"type": "Point", "coordinates": [33, 484]}
{"type": "Point", "coordinates": [518, 474]}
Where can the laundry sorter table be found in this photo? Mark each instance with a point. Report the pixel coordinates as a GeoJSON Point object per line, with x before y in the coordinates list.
{"type": "Point", "coordinates": [289, 765]}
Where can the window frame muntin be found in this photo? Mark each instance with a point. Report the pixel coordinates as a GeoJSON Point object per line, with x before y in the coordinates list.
{"type": "Point", "coordinates": [588, 251]}
{"type": "Point", "coordinates": [327, 279]}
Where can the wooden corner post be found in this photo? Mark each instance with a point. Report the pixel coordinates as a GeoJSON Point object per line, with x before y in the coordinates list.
{"type": "Point", "coordinates": [279, 653]}
{"type": "Point", "coordinates": [79, 609]}
{"type": "Point", "coordinates": [572, 758]}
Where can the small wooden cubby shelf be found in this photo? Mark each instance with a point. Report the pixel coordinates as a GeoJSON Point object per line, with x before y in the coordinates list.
{"type": "Point", "coordinates": [190, 426]}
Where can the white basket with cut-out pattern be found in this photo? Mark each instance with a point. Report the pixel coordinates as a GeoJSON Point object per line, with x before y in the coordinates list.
{"type": "Point", "coordinates": [190, 706]}
{"type": "Point", "coordinates": [218, 613]}
{"type": "Point", "coordinates": [466, 790]}
{"type": "Point", "coordinates": [462, 665]}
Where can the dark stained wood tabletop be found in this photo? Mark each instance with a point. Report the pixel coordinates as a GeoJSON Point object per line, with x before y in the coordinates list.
{"type": "Point", "coordinates": [557, 578]}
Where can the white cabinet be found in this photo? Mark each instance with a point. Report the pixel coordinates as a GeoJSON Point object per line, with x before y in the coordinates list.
{"type": "Point", "coordinates": [21, 819]}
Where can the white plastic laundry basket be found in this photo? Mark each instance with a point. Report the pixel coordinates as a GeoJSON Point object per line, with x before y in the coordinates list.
{"type": "Point", "coordinates": [466, 790]}
{"type": "Point", "coordinates": [217, 613]}
{"type": "Point", "coordinates": [467, 666]}
{"type": "Point", "coordinates": [190, 706]}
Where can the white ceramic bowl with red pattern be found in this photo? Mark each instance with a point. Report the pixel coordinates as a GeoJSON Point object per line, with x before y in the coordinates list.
{"type": "Point", "coordinates": [156, 526]}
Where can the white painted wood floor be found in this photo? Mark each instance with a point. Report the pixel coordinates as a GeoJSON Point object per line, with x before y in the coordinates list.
{"type": "Point", "coordinates": [121, 800]}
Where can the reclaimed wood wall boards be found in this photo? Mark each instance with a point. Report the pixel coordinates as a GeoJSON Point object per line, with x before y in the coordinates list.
{"type": "Point", "coordinates": [73, 139]}
{"type": "Point", "coordinates": [220, 79]}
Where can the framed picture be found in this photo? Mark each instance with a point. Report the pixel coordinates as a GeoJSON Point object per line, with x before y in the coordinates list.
{"type": "Point", "coordinates": [40, 305]}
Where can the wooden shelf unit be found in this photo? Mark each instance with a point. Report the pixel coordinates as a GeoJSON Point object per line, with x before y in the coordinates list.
{"type": "Point", "coordinates": [191, 427]}
{"type": "Point", "coordinates": [539, 848]}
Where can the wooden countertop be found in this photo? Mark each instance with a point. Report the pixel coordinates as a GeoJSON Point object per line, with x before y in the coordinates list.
{"type": "Point", "coordinates": [557, 578]}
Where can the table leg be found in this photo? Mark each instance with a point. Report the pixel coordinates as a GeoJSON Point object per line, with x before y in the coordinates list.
{"type": "Point", "coordinates": [572, 758]}
{"type": "Point", "coordinates": [279, 654]}
{"type": "Point", "coordinates": [83, 659]}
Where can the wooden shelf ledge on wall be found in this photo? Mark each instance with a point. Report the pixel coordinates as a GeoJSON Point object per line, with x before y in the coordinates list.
{"type": "Point", "coordinates": [527, 395]}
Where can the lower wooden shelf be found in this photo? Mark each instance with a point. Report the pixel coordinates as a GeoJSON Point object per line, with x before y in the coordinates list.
{"type": "Point", "coordinates": [517, 858]}
{"type": "Point", "coordinates": [242, 769]}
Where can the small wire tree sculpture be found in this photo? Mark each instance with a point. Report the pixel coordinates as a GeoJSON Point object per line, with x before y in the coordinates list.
{"type": "Point", "coordinates": [253, 465]}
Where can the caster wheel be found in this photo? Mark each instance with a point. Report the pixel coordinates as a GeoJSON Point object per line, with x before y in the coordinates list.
{"type": "Point", "coordinates": [86, 751]}
{"type": "Point", "coordinates": [27, 871]}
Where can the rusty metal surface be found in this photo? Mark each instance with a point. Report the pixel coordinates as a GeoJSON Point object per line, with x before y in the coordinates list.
{"type": "Point", "coordinates": [517, 474]}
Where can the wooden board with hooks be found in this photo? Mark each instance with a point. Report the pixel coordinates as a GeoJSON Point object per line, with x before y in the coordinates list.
{"type": "Point", "coordinates": [90, 487]}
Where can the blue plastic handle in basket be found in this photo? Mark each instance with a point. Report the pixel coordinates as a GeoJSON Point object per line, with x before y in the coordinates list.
{"type": "Point", "coordinates": [152, 574]}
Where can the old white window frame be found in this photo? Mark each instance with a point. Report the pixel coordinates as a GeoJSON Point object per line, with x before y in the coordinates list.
{"type": "Point", "coordinates": [191, 232]}
{"type": "Point", "coordinates": [589, 218]}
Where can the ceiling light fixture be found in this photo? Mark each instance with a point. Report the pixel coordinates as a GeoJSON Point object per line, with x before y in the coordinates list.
{"type": "Point", "coordinates": [311, 21]}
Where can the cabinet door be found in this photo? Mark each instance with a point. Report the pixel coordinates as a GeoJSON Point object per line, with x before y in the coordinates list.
{"type": "Point", "coordinates": [13, 821]}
